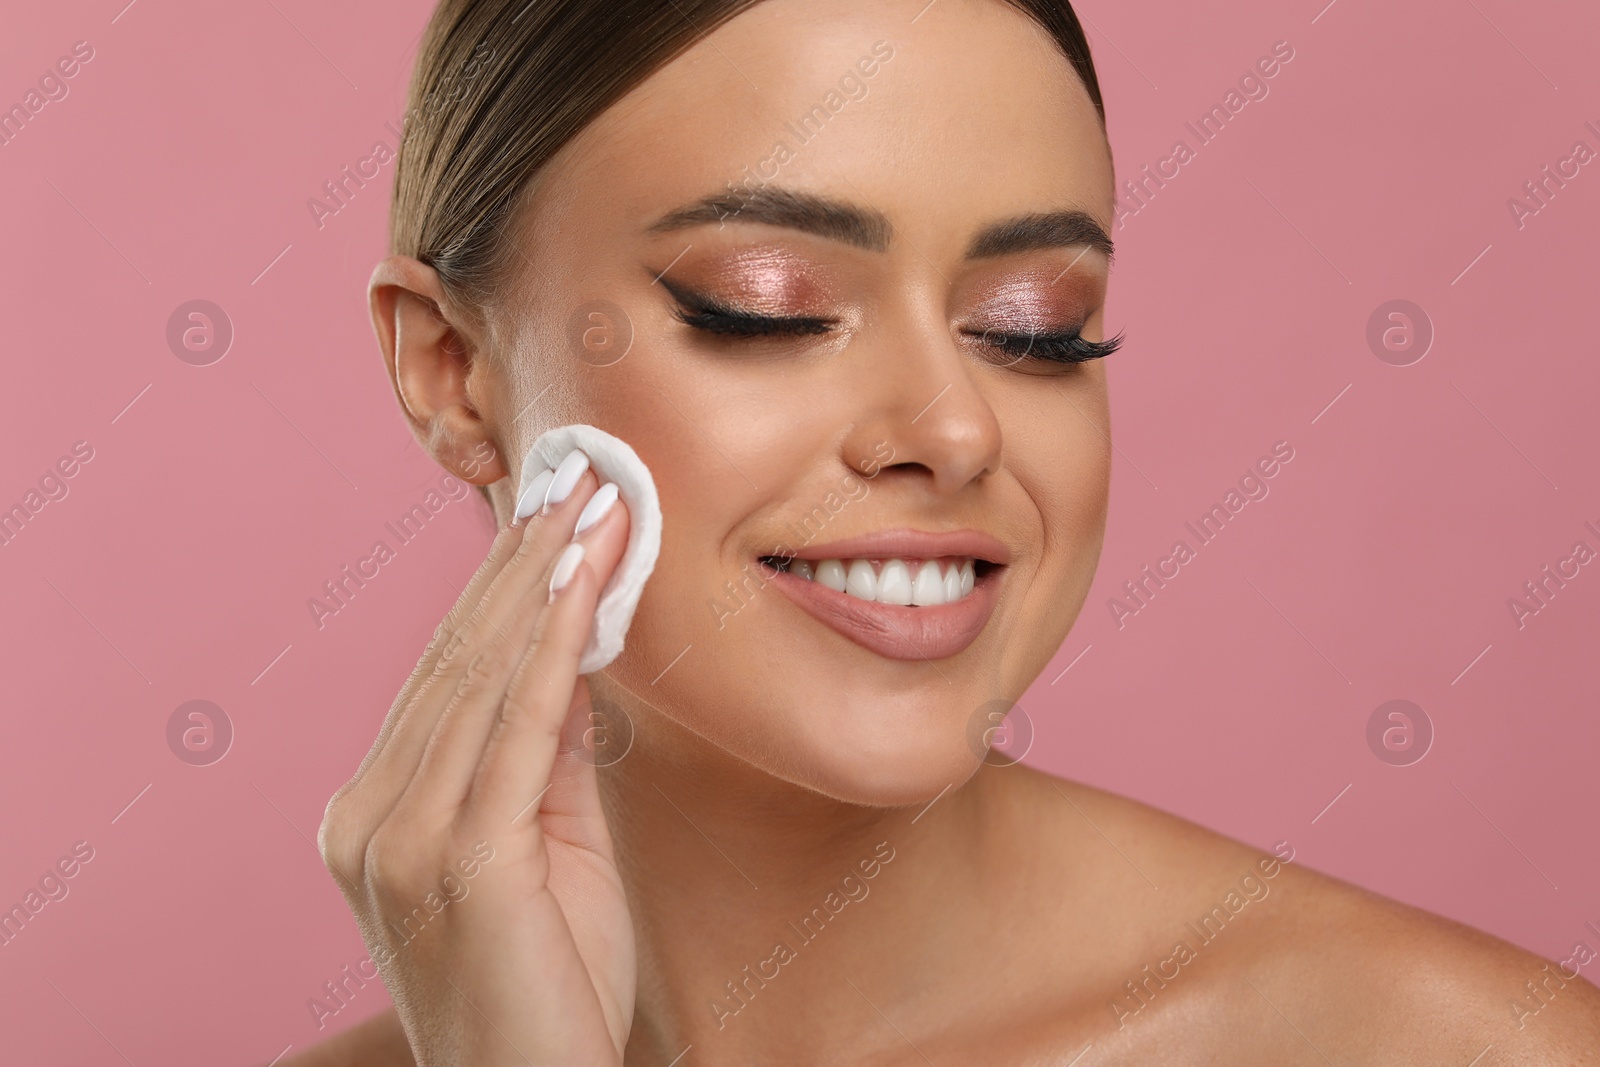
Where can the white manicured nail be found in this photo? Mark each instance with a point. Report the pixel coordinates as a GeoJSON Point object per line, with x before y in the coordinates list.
{"type": "Point", "coordinates": [566, 567]}
{"type": "Point", "coordinates": [533, 499]}
{"type": "Point", "coordinates": [568, 471]}
{"type": "Point", "coordinates": [596, 508]}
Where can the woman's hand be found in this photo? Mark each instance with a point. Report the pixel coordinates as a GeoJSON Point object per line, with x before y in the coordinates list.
{"type": "Point", "coordinates": [470, 844]}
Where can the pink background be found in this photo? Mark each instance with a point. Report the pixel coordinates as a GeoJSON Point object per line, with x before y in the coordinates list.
{"type": "Point", "coordinates": [1379, 567]}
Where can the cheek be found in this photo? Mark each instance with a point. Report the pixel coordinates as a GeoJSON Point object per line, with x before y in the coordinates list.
{"type": "Point", "coordinates": [1062, 455]}
{"type": "Point", "coordinates": [720, 449]}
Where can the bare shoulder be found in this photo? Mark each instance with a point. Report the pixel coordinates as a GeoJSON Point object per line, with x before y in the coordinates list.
{"type": "Point", "coordinates": [378, 1042]}
{"type": "Point", "coordinates": [1242, 949]}
{"type": "Point", "coordinates": [1420, 981]}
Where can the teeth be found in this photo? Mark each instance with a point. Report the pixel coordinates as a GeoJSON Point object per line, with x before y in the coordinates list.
{"type": "Point", "coordinates": [894, 583]}
{"type": "Point", "coordinates": [861, 580]}
{"type": "Point", "coordinates": [929, 589]}
{"type": "Point", "coordinates": [924, 583]}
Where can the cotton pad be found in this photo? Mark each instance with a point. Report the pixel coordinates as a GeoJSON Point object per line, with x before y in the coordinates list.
{"type": "Point", "coordinates": [612, 460]}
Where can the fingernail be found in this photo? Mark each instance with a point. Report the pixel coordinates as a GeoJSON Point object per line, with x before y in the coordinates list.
{"type": "Point", "coordinates": [566, 567]}
{"type": "Point", "coordinates": [596, 508]}
{"type": "Point", "coordinates": [533, 498]}
{"type": "Point", "coordinates": [566, 478]}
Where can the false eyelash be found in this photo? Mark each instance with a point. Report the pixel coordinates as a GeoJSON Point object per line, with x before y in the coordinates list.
{"type": "Point", "coordinates": [703, 313]}
{"type": "Point", "coordinates": [743, 324]}
{"type": "Point", "coordinates": [1053, 348]}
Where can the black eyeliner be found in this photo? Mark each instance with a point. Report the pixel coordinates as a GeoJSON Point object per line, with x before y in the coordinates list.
{"type": "Point", "coordinates": [704, 313]}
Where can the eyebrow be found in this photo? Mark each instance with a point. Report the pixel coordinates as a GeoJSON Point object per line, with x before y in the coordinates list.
{"type": "Point", "coordinates": [869, 229]}
{"type": "Point", "coordinates": [1049, 229]}
{"type": "Point", "coordinates": [833, 219]}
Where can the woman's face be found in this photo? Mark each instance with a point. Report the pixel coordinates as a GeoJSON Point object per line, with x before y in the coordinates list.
{"type": "Point", "coordinates": [823, 238]}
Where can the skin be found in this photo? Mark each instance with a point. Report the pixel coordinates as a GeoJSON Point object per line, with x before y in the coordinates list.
{"type": "Point", "coordinates": [776, 756]}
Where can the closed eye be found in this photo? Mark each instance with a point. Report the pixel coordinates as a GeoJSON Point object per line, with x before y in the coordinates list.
{"type": "Point", "coordinates": [1061, 347]}
{"type": "Point", "coordinates": [705, 313]}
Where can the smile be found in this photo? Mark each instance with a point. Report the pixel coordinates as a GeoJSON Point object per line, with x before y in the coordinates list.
{"type": "Point", "coordinates": [908, 583]}
{"type": "Point", "coordinates": [903, 594]}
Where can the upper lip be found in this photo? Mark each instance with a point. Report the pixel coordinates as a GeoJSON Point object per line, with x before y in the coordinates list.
{"type": "Point", "coordinates": [910, 544]}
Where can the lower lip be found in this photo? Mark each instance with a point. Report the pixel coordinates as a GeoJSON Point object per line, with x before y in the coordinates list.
{"type": "Point", "coordinates": [893, 631]}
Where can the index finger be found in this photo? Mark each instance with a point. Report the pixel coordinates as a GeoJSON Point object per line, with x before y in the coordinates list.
{"type": "Point", "coordinates": [501, 551]}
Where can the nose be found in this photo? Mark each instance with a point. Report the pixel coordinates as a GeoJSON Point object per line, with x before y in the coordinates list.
{"type": "Point", "coordinates": [921, 407]}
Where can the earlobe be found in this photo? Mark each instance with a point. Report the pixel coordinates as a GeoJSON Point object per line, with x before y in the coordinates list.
{"type": "Point", "coordinates": [431, 360]}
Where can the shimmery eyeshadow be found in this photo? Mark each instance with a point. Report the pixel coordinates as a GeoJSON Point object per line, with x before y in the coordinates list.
{"type": "Point", "coordinates": [1030, 300]}
{"type": "Point", "coordinates": [765, 280]}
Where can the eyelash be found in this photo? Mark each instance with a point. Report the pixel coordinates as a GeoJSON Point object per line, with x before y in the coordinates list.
{"type": "Point", "coordinates": [741, 324]}
{"type": "Point", "coordinates": [1052, 348]}
{"type": "Point", "coordinates": [704, 314]}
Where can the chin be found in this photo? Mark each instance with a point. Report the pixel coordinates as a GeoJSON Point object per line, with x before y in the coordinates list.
{"type": "Point", "coordinates": [873, 749]}
{"type": "Point", "coordinates": [906, 774]}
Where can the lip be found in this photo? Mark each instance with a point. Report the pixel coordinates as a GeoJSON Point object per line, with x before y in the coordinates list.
{"type": "Point", "coordinates": [891, 630]}
{"type": "Point", "coordinates": [910, 544]}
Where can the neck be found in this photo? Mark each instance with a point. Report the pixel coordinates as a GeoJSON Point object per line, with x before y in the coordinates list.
{"type": "Point", "coordinates": [758, 904]}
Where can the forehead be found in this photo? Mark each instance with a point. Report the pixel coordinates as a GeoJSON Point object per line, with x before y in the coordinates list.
{"type": "Point", "coordinates": [939, 116]}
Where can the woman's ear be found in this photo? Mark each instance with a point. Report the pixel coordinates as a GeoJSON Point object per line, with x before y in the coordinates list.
{"type": "Point", "coordinates": [431, 358]}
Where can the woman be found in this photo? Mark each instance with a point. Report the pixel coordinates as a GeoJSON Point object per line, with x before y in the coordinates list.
{"type": "Point", "coordinates": [837, 271]}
